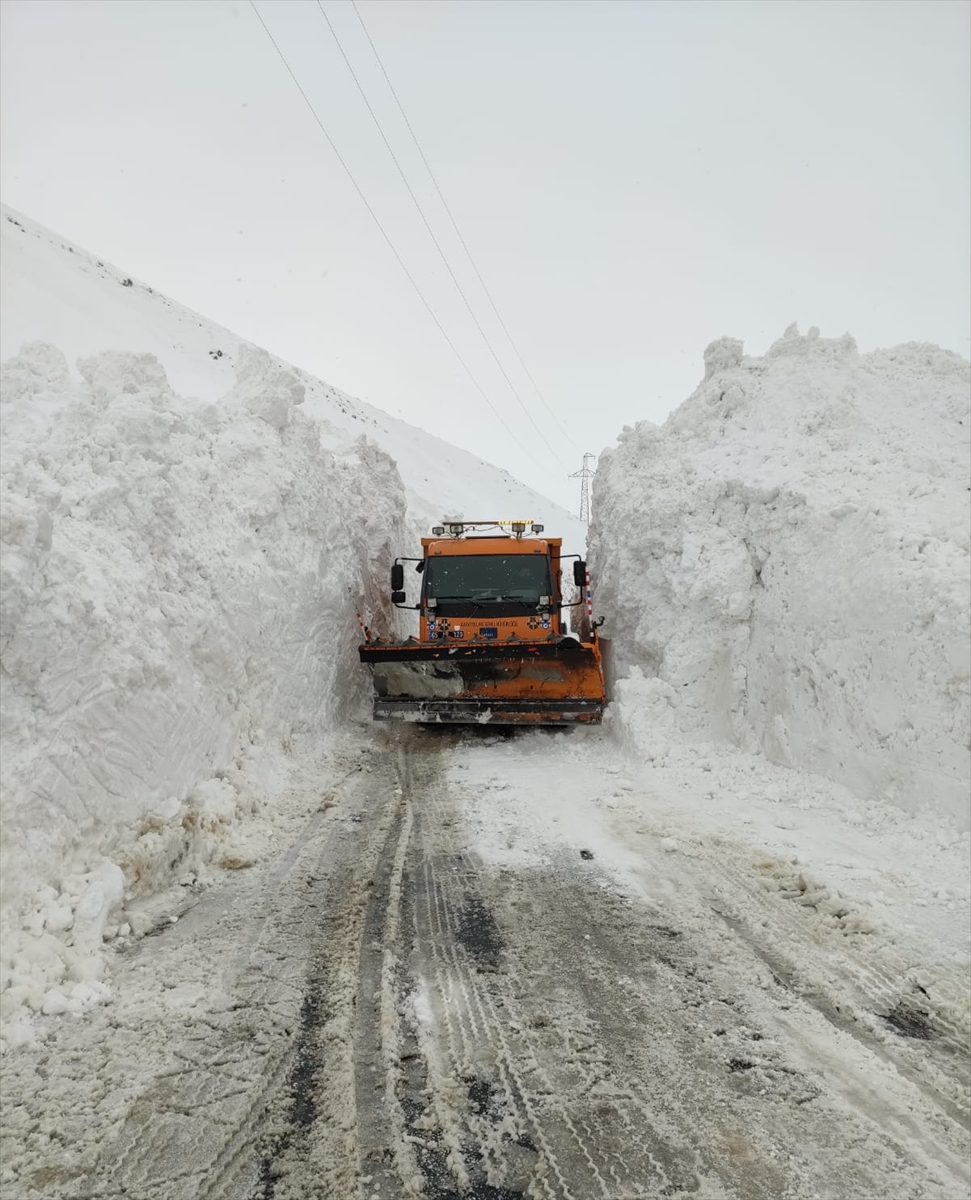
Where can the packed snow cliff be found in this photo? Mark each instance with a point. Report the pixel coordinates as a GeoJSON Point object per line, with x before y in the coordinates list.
{"type": "Point", "coordinates": [785, 563]}
{"type": "Point", "coordinates": [180, 583]}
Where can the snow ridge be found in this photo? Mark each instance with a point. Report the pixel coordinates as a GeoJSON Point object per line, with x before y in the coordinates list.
{"type": "Point", "coordinates": [180, 588]}
{"type": "Point", "coordinates": [790, 553]}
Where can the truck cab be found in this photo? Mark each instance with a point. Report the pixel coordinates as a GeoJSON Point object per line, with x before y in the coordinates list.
{"type": "Point", "coordinates": [492, 644]}
{"type": "Point", "coordinates": [490, 589]}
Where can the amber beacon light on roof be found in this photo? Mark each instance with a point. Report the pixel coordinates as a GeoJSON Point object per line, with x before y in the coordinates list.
{"type": "Point", "coordinates": [493, 645]}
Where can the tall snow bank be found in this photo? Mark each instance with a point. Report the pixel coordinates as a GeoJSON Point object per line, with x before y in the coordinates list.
{"type": "Point", "coordinates": [179, 589]}
{"type": "Point", "coordinates": [789, 555]}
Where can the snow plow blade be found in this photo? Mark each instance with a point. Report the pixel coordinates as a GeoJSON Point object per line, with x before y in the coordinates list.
{"type": "Point", "coordinates": [529, 683]}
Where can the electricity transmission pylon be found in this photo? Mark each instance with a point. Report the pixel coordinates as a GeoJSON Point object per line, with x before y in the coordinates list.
{"type": "Point", "coordinates": [585, 474]}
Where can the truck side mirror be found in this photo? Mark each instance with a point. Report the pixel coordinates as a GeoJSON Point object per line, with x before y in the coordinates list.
{"type": "Point", "coordinates": [398, 597]}
{"type": "Point", "coordinates": [579, 572]}
{"type": "Point", "coordinates": [397, 577]}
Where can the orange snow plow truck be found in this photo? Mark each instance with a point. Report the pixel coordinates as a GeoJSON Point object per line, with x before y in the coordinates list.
{"type": "Point", "coordinates": [492, 646]}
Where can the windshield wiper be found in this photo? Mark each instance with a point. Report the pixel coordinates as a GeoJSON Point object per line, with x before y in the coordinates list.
{"type": "Point", "coordinates": [476, 604]}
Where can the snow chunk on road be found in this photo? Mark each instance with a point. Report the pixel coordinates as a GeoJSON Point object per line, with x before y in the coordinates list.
{"type": "Point", "coordinates": [787, 558]}
{"type": "Point", "coordinates": [102, 897]}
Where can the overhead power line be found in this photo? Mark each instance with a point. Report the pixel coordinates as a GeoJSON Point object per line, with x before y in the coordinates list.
{"type": "Point", "coordinates": [431, 233]}
{"type": "Point", "coordinates": [458, 232]}
{"type": "Point", "coordinates": [384, 234]}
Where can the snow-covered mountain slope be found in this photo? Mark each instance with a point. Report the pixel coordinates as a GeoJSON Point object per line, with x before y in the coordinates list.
{"type": "Point", "coordinates": [787, 561]}
{"type": "Point", "coordinates": [59, 293]}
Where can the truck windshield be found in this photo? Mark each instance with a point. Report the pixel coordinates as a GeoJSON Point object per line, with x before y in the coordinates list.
{"type": "Point", "coordinates": [512, 583]}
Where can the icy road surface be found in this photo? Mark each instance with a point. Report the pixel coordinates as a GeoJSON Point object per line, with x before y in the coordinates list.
{"type": "Point", "coordinates": [469, 972]}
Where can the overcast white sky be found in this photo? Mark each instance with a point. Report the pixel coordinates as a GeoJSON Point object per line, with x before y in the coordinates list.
{"type": "Point", "coordinates": [633, 179]}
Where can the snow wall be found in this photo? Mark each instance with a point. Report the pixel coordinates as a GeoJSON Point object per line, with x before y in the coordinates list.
{"type": "Point", "coordinates": [785, 563]}
{"type": "Point", "coordinates": [180, 583]}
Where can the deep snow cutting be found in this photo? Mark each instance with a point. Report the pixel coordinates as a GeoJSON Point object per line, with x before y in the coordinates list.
{"type": "Point", "coordinates": [492, 646]}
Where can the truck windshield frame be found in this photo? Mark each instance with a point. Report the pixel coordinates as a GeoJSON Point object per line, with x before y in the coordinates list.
{"type": "Point", "coordinates": [487, 585]}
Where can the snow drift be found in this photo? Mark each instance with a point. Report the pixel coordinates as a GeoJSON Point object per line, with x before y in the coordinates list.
{"type": "Point", "coordinates": [179, 597]}
{"type": "Point", "coordinates": [786, 561]}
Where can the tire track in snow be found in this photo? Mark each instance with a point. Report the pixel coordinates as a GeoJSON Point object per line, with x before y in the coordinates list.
{"type": "Point", "coordinates": [409, 1021]}
{"type": "Point", "coordinates": [650, 1053]}
{"type": "Point", "coordinates": [863, 990]}
{"type": "Point", "coordinates": [190, 1126]}
{"type": "Point", "coordinates": [328, 1138]}
{"type": "Point", "coordinates": [514, 1127]}
{"type": "Point", "coordinates": [465, 1119]}
{"type": "Point", "coordinates": [205, 1093]}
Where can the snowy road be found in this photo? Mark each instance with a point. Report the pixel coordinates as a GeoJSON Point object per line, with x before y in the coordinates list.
{"type": "Point", "coordinates": [464, 976]}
